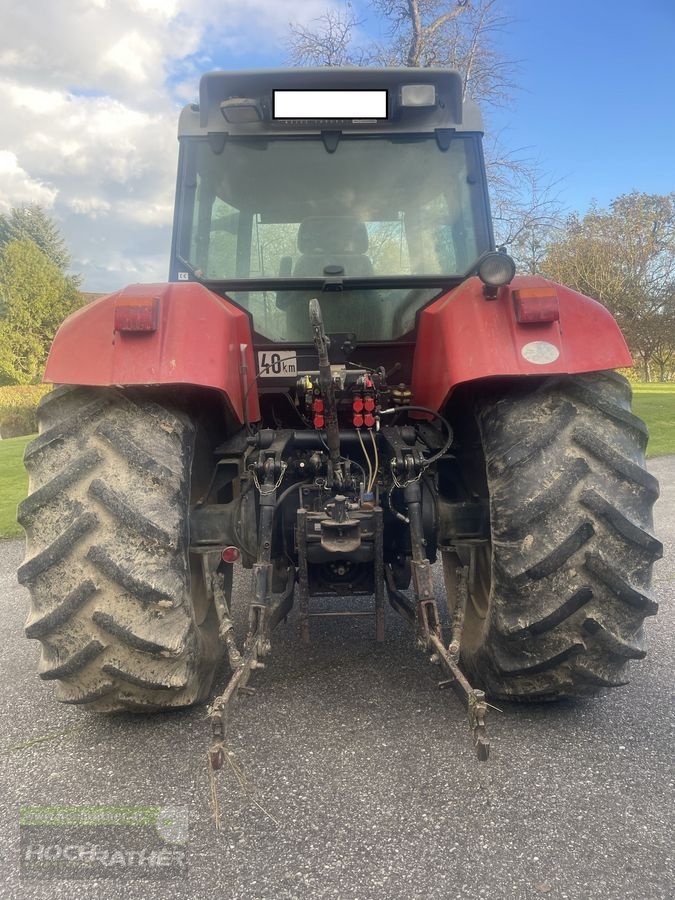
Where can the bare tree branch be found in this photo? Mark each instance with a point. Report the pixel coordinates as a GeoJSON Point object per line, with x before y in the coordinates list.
{"type": "Point", "coordinates": [442, 20]}
{"type": "Point", "coordinates": [461, 35]}
{"type": "Point", "coordinates": [327, 41]}
{"type": "Point", "coordinates": [415, 49]}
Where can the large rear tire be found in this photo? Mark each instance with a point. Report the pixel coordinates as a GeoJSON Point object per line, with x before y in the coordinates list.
{"type": "Point", "coordinates": [124, 623]}
{"type": "Point", "coordinates": [559, 598]}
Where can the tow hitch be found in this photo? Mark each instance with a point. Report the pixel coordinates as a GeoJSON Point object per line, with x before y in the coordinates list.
{"type": "Point", "coordinates": [267, 611]}
{"type": "Point", "coordinates": [429, 637]}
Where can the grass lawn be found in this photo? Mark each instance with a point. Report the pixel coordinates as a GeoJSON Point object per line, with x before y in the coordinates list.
{"type": "Point", "coordinates": [655, 403]}
{"type": "Point", "coordinates": [13, 484]}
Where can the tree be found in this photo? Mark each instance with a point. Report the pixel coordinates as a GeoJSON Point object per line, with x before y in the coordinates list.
{"type": "Point", "coordinates": [35, 297]}
{"type": "Point", "coordinates": [625, 258]}
{"type": "Point", "coordinates": [329, 42]}
{"type": "Point", "coordinates": [526, 210]}
{"type": "Point", "coordinates": [458, 34]}
{"type": "Point", "coordinates": [33, 224]}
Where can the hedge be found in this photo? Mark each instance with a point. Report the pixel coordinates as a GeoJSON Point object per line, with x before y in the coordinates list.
{"type": "Point", "coordinates": [18, 406]}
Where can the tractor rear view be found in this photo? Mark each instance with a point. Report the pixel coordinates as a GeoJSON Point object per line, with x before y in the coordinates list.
{"type": "Point", "coordinates": [342, 384]}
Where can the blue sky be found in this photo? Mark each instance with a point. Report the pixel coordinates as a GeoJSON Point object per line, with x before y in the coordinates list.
{"type": "Point", "coordinates": [597, 103]}
{"type": "Point", "coordinates": [596, 98]}
{"type": "Point", "coordinates": [90, 92]}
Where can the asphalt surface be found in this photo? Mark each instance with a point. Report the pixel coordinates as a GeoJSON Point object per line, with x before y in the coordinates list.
{"type": "Point", "coordinates": [360, 777]}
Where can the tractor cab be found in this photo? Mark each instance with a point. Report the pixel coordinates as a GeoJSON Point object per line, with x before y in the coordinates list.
{"type": "Point", "coordinates": [363, 187]}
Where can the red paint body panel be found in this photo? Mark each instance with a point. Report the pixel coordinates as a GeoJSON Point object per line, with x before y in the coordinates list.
{"type": "Point", "coordinates": [463, 337]}
{"type": "Point", "coordinates": [197, 342]}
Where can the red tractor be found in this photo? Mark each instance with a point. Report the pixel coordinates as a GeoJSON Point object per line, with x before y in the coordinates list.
{"type": "Point", "coordinates": [342, 383]}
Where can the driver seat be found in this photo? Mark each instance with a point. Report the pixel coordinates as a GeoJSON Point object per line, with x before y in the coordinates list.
{"type": "Point", "coordinates": [340, 241]}
{"type": "Point", "coordinates": [333, 241]}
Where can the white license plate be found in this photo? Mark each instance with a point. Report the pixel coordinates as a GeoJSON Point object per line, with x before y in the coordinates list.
{"type": "Point", "coordinates": [277, 363]}
{"type": "Point", "coordinates": [317, 104]}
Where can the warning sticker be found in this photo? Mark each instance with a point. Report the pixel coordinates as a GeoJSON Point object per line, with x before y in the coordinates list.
{"type": "Point", "coordinates": [540, 352]}
{"type": "Point", "coordinates": [277, 363]}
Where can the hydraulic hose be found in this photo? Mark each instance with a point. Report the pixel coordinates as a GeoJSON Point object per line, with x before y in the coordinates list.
{"type": "Point", "coordinates": [425, 409]}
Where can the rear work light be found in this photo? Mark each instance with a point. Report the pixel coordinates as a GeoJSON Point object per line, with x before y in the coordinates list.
{"type": "Point", "coordinates": [536, 305]}
{"type": "Point", "coordinates": [241, 110]}
{"type": "Point", "coordinates": [418, 95]}
{"type": "Point", "coordinates": [496, 269]}
{"type": "Point", "coordinates": [141, 315]}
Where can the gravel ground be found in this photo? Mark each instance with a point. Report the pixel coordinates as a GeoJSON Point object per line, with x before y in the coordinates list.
{"type": "Point", "coordinates": [360, 777]}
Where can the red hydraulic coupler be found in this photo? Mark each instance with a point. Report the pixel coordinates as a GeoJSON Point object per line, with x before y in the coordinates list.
{"type": "Point", "coordinates": [317, 409]}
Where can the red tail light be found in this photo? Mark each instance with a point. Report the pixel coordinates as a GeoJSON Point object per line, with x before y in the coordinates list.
{"type": "Point", "coordinates": [230, 555]}
{"type": "Point", "coordinates": [535, 305]}
{"type": "Point", "coordinates": [137, 315]}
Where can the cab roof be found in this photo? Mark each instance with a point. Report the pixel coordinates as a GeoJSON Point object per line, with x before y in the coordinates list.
{"type": "Point", "coordinates": [450, 112]}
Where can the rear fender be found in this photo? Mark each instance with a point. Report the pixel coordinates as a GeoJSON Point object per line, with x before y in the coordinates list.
{"type": "Point", "coordinates": [463, 337]}
{"type": "Point", "coordinates": [197, 341]}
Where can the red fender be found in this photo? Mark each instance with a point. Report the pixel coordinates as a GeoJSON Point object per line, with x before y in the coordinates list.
{"type": "Point", "coordinates": [197, 341]}
{"type": "Point", "coordinates": [463, 337]}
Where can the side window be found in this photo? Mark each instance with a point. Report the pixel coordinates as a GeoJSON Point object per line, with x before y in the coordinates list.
{"type": "Point", "coordinates": [274, 247]}
{"type": "Point", "coordinates": [213, 242]}
{"type": "Point", "coordinates": [201, 223]}
{"type": "Point", "coordinates": [273, 253]}
{"type": "Point", "coordinates": [430, 238]}
{"type": "Point", "coordinates": [223, 240]}
{"type": "Point", "coordinates": [387, 246]}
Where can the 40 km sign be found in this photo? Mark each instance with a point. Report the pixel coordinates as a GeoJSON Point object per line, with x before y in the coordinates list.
{"type": "Point", "coordinates": [277, 363]}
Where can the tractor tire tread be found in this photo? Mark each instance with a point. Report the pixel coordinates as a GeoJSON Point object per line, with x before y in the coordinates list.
{"type": "Point", "coordinates": [572, 540]}
{"type": "Point", "coordinates": [107, 561]}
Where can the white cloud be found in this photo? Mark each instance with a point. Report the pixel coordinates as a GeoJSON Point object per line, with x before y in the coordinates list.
{"type": "Point", "coordinates": [90, 104]}
{"type": "Point", "coordinates": [36, 101]}
{"type": "Point", "coordinates": [134, 56]}
{"type": "Point", "coordinates": [140, 211]}
{"type": "Point", "coordinates": [18, 188]}
{"type": "Point", "coordinates": [93, 207]}
{"type": "Point", "coordinates": [161, 9]}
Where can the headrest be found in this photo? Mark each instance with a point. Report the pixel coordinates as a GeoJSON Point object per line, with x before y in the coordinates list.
{"type": "Point", "coordinates": [332, 234]}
